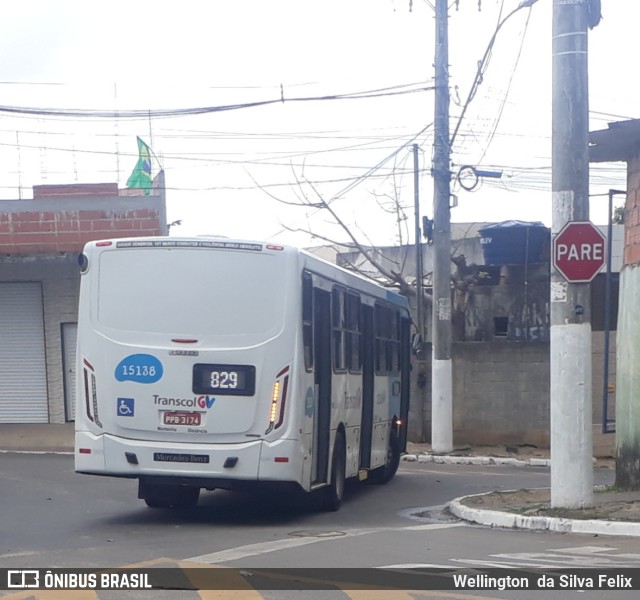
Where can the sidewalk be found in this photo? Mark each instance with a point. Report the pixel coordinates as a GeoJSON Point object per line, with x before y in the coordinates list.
{"type": "Point", "coordinates": [613, 513]}
{"type": "Point", "coordinates": [41, 437]}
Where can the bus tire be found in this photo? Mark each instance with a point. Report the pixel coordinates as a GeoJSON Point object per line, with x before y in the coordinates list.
{"type": "Point", "coordinates": [333, 493]}
{"type": "Point", "coordinates": [172, 496]}
{"type": "Point", "coordinates": [384, 474]}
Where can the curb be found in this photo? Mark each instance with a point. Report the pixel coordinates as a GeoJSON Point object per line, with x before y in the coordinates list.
{"type": "Point", "coordinates": [494, 518]}
{"type": "Point", "coordinates": [476, 460]}
{"type": "Point", "coordinates": [45, 451]}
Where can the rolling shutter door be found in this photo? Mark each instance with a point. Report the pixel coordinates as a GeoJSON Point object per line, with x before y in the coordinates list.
{"type": "Point", "coordinates": [23, 381]}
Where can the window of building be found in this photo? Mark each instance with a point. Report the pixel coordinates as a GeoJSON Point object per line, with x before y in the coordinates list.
{"type": "Point", "coordinates": [500, 326]}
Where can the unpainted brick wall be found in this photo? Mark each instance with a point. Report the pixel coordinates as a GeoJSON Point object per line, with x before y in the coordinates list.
{"type": "Point", "coordinates": [47, 231]}
{"type": "Point", "coordinates": [501, 393]}
{"type": "Point", "coordinates": [632, 213]}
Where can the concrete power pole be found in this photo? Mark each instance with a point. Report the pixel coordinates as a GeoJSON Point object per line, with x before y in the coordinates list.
{"type": "Point", "coordinates": [442, 372]}
{"type": "Point", "coordinates": [570, 352]}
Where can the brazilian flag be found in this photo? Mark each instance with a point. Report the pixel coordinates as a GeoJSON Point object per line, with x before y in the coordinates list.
{"type": "Point", "coordinates": [141, 175]}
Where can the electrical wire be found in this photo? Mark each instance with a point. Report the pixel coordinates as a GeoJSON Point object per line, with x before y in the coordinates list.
{"type": "Point", "coordinates": [181, 112]}
{"type": "Point", "coordinates": [506, 95]}
{"type": "Point", "coordinates": [482, 66]}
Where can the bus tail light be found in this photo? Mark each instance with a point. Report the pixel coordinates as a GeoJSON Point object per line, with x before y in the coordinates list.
{"type": "Point", "coordinates": [278, 400]}
{"type": "Point", "coordinates": [90, 394]}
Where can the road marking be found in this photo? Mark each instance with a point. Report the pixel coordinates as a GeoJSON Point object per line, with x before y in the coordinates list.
{"type": "Point", "coordinates": [399, 595]}
{"type": "Point", "coordinates": [432, 526]}
{"type": "Point", "coordinates": [241, 552]}
{"type": "Point", "coordinates": [607, 551]}
{"type": "Point", "coordinates": [17, 554]}
{"type": "Point", "coordinates": [496, 564]}
{"type": "Point", "coordinates": [581, 556]}
{"type": "Point", "coordinates": [53, 595]}
{"type": "Point", "coordinates": [377, 594]}
{"type": "Point", "coordinates": [255, 549]}
{"type": "Point", "coordinates": [582, 550]}
{"type": "Point", "coordinates": [237, 586]}
{"type": "Point", "coordinates": [393, 594]}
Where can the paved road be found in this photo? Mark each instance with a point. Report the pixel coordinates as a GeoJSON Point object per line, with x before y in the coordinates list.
{"type": "Point", "coordinates": [50, 516]}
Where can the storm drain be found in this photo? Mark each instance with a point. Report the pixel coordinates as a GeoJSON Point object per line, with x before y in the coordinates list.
{"type": "Point", "coordinates": [317, 534]}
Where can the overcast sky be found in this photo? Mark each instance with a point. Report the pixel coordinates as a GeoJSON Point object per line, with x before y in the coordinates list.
{"type": "Point", "coordinates": [231, 172]}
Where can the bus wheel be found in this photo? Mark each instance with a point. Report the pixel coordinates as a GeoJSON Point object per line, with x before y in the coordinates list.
{"type": "Point", "coordinates": [334, 492]}
{"type": "Point", "coordinates": [171, 496]}
{"type": "Point", "coordinates": [385, 474]}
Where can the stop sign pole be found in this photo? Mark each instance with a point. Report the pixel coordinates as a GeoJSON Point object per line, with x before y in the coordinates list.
{"type": "Point", "coordinates": [570, 339]}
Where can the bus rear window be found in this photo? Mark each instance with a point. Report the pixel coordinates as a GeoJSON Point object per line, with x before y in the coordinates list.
{"type": "Point", "coordinates": [189, 291]}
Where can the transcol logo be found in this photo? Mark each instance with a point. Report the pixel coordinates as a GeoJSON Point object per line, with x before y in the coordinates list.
{"type": "Point", "coordinates": [206, 401]}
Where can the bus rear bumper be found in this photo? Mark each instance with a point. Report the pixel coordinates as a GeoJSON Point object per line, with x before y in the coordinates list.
{"type": "Point", "coordinates": [255, 460]}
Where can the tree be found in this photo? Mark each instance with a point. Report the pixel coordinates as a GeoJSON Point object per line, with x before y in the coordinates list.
{"type": "Point", "coordinates": [387, 270]}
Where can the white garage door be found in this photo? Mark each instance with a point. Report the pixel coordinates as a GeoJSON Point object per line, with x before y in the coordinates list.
{"type": "Point", "coordinates": [23, 380]}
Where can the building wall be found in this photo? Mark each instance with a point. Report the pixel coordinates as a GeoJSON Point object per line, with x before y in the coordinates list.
{"type": "Point", "coordinates": [628, 380]}
{"type": "Point", "coordinates": [632, 214]}
{"type": "Point", "coordinates": [501, 393]}
{"type": "Point", "coordinates": [66, 224]}
{"type": "Point", "coordinates": [40, 241]}
{"type": "Point", "coordinates": [60, 282]}
{"type": "Point", "coordinates": [511, 312]}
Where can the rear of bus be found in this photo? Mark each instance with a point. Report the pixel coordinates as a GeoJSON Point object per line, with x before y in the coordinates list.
{"type": "Point", "coordinates": [185, 349]}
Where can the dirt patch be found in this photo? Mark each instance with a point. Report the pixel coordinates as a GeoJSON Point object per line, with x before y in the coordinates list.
{"type": "Point", "coordinates": [608, 504]}
{"type": "Point", "coordinates": [519, 452]}
{"type": "Point", "coordinates": [515, 451]}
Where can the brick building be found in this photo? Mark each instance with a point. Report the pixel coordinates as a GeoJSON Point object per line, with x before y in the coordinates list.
{"type": "Point", "coordinates": [620, 142]}
{"type": "Point", "coordinates": [40, 240]}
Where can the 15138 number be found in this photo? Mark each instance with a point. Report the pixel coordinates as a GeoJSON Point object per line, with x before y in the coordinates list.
{"type": "Point", "coordinates": [138, 370]}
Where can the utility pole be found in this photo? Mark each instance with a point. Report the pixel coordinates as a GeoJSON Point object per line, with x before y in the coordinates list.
{"type": "Point", "coordinates": [570, 351]}
{"type": "Point", "coordinates": [419, 269]}
{"type": "Point", "coordinates": [441, 369]}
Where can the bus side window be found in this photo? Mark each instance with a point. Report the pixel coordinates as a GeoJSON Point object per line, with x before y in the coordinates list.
{"type": "Point", "coordinates": [381, 328]}
{"type": "Point", "coordinates": [339, 318]}
{"type": "Point", "coordinates": [354, 360]}
{"type": "Point", "coordinates": [307, 320]}
{"type": "Point", "coordinates": [387, 342]}
{"type": "Point", "coordinates": [394, 343]}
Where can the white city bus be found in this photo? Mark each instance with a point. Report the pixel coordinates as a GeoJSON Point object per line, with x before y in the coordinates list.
{"type": "Point", "coordinates": [208, 363]}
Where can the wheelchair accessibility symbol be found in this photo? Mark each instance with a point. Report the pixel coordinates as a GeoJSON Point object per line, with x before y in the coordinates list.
{"type": "Point", "coordinates": [125, 407]}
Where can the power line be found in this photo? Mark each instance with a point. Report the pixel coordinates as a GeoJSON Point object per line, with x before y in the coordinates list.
{"type": "Point", "coordinates": [181, 112]}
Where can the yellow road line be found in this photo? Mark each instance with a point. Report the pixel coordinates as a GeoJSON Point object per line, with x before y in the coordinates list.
{"type": "Point", "coordinates": [52, 595]}
{"type": "Point", "coordinates": [231, 584]}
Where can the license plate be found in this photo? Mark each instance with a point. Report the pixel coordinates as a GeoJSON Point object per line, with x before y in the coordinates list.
{"type": "Point", "coordinates": [224, 380]}
{"type": "Point", "coordinates": [182, 418]}
{"type": "Point", "coordinates": [183, 458]}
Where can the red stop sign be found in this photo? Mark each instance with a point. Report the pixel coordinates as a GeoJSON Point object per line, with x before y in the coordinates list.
{"type": "Point", "coordinates": [579, 251]}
